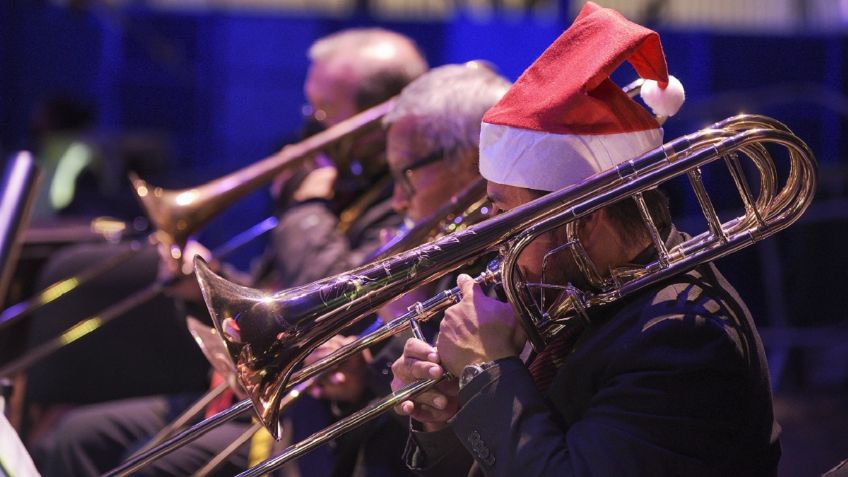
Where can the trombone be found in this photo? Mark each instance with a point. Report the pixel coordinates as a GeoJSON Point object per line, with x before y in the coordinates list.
{"type": "Point", "coordinates": [267, 335]}
{"type": "Point", "coordinates": [177, 214]}
{"type": "Point", "coordinates": [467, 207]}
{"type": "Point", "coordinates": [276, 331]}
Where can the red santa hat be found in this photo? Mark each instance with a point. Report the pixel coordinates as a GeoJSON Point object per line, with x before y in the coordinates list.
{"type": "Point", "coordinates": [564, 119]}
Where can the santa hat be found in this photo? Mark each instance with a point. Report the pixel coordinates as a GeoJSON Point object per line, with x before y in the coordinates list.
{"type": "Point", "coordinates": [564, 120]}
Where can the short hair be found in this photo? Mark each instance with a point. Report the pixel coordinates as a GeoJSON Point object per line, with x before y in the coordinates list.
{"type": "Point", "coordinates": [385, 61]}
{"type": "Point", "coordinates": [451, 100]}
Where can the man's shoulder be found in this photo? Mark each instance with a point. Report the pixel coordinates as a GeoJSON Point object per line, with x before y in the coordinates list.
{"type": "Point", "coordinates": [698, 308]}
{"type": "Point", "coordinates": [702, 291]}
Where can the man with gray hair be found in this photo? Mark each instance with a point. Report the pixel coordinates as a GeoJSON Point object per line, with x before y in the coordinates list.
{"type": "Point", "coordinates": [359, 68]}
{"type": "Point", "coordinates": [351, 71]}
{"type": "Point", "coordinates": [432, 135]}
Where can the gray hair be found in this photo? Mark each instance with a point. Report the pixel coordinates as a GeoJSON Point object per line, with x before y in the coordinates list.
{"type": "Point", "coordinates": [450, 102]}
{"type": "Point", "coordinates": [384, 61]}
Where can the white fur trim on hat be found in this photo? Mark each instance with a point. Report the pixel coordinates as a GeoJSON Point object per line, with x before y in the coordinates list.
{"type": "Point", "coordinates": [663, 102]}
{"type": "Point", "coordinates": [546, 161]}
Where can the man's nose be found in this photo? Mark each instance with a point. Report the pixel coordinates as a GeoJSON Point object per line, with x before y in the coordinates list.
{"type": "Point", "coordinates": [400, 201]}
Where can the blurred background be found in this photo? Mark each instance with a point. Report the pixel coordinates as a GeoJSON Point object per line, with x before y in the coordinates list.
{"type": "Point", "coordinates": [184, 91]}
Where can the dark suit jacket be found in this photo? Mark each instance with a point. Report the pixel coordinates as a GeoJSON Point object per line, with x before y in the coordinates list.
{"type": "Point", "coordinates": [307, 244]}
{"type": "Point", "coordinates": [670, 381]}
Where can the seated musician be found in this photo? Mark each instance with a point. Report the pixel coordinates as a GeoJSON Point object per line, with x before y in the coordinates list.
{"type": "Point", "coordinates": [670, 380]}
{"type": "Point", "coordinates": [350, 71]}
{"type": "Point", "coordinates": [333, 217]}
{"type": "Point", "coordinates": [432, 135]}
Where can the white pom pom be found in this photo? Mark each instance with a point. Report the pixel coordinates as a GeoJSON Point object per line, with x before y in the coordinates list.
{"type": "Point", "coordinates": [663, 102]}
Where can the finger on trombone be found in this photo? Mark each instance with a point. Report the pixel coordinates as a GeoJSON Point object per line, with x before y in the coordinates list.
{"type": "Point", "coordinates": [419, 361]}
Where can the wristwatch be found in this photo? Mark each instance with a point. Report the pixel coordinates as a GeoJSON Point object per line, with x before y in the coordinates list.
{"type": "Point", "coordinates": [471, 371]}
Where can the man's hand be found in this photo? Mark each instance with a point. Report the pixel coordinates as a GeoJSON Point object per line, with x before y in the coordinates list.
{"type": "Point", "coordinates": [434, 407]}
{"type": "Point", "coordinates": [478, 329]}
{"type": "Point", "coordinates": [318, 184]}
{"type": "Point", "coordinates": [311, 181]}
{"type": "Point", "coordinates": [180, 264]}
{"type": "Point", "coordinates": [347, 382]}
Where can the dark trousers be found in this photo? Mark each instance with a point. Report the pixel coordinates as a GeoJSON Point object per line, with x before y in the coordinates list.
{"type": "Point", "coordinates": [95, 439]}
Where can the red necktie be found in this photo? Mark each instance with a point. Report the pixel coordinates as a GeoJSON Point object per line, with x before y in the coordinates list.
{"type": "Point", "coordinates": [545, 365]}
{"type": "Point", "coordinates": [221, 402]}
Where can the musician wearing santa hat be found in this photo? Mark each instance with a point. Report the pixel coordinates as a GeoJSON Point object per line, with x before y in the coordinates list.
{"type": "Point", "coordinates": [670, 380]}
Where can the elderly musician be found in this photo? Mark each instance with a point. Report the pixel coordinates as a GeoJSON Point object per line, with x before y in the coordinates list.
{"type": "Point", "coordinates": [318, 235]}
{"type": "Point", "coordinates": [432, 135]}
{"type": "Point", "coordinates": [671, 380]}
{"type": "Point", "coordinates": [342, 204]}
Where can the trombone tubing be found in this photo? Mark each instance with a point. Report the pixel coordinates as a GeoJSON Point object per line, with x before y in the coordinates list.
{"type": "Point", "coordinates": [418, 312]}
{"type": "Point", "coordinates": [60, 288]}
{"type": "Point", "coordinates": [89, 324]}
{"type": "Point", "coordinates": [225, 454]}
{"type": "Point", "coordinates": [335, 302]}
{"type": "Point", "coordinates": [734, 235]}
{"type": "Point", "coordinates": [421, 311]}
{"type": "Point", "coordinates": [342, 426]}
{"type": "Point", "coordinates": [779, 215]}
{"type": "Point", "coordinates": [84, 328]}
{"type": "Point", "coordinates": [179, 440]}
{"type": "Point", "coordinates": [176, 214]}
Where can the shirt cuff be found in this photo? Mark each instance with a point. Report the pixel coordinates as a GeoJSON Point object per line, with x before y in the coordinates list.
{"type": "Point", "coordinates": [483, 379]}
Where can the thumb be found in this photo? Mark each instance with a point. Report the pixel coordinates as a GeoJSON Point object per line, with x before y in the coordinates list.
{"type": "Point", "coordinates": [466, 286]}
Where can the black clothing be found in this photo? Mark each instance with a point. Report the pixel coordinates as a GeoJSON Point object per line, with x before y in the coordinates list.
{"type": "Point", "coordinates": [671, 380]}
{"type": "Point", "coordinates": [307, 245]}
{"type": "Point", "coordinates": [95, 439]}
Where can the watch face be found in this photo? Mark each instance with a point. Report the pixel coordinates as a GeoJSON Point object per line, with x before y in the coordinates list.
{"type": "Point", "coordinates": [468, 373]}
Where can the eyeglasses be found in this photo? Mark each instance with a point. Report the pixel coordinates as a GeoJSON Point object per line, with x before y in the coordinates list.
{"type": "Point", "coordinates": [403, 178]}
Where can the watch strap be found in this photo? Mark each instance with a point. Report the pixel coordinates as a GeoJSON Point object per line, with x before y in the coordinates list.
{"type": "Point", "coordinates": [471, 371]}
